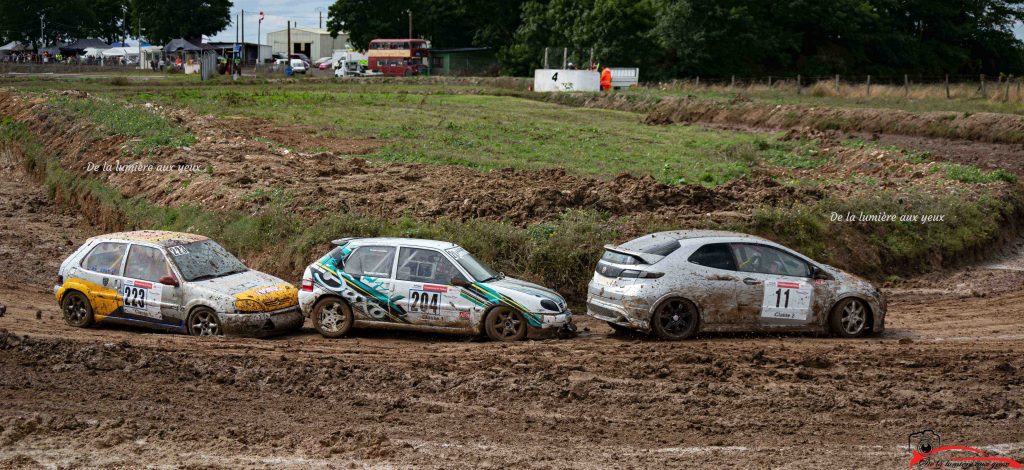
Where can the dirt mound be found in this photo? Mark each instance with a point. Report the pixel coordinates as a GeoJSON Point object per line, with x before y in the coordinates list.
{"type": "Point", "coordinates": [985, 127]}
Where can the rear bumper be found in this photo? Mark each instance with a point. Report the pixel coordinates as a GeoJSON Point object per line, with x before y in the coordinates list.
{"type": "Point", "coordinates": [263, 323]}
{"type": "Point", "coordinates": [618, 312]}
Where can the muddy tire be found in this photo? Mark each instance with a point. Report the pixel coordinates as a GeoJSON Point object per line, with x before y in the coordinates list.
{"type": "Point", "coordinates": [504, 324]}
{"type": "Point", "coordinates": [675, 319]}
{"type": "Point", "coordinates": [332, 317]}
{"type": "Point", "coordinates": [849, 318]}
{"type": "Point", "coordinates": [76, 309]}
{"type": "Point", "coordinates": [203, 321]}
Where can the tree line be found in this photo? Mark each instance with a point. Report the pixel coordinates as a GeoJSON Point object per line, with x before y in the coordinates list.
{"type": "Point", "coordinates": [158, 21]}
{"type": "Point", "coordinates": [713, 38]}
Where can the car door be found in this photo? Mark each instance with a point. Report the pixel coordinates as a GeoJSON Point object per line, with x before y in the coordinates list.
{"type": "Point", "coordinates": [776, 288]}
{"type": "Point", "coordinates": [716, 294]}
{"type": "Point", "coordinates": [101, 269]}
{"type": "Point", "coordinates": [424, 280]}
{"type": "Point", "coordinates": [370, 268]}
{"type": "Point", "coordinates": [147, 291]}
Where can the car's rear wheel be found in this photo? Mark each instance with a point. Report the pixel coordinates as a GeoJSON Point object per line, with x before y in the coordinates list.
{"type": "Point", "coordinates": [505, 324]}
{"type": "Point", "coordinates": [332, 317]}
{"type": "Point", "coordinates": [76, 309]}
{"type": "Point", "coordinates": [675, 319]}
{"type": "Point", "coordinates": [849, 318]}
{"type": "Point", "coordinates": [204, 321]}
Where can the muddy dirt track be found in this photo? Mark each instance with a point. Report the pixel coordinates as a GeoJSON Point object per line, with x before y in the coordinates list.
{"type": "Point", "coordinates": [111, 397]}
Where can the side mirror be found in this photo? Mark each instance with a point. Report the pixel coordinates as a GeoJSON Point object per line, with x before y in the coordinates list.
{"type": "Point", "coordinates": [818, 273]}
{"type": "Point", "coordinates": [169, 281]}
{"type": "Point", "coordinates": [458, 281]}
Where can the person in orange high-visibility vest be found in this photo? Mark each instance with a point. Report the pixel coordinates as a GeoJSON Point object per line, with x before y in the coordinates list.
{"type": "Point", "coordinates": [606, 79]}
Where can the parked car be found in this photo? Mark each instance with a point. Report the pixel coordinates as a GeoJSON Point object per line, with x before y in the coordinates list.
{"type": "Point", "coordinates": [172, 281]}
{"type": "Point", "coordinates": [423, 285]}
{"type": "Point", "coordinates": [324, 63]}
{"type": "Point", "coordinates": [676, 284]}
{"type": "Point", "coordinates": [298, 65]}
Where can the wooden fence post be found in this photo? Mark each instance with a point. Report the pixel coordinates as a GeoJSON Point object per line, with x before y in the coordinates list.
{"type": "Point", "coordinates": [798, 85]}
{"type": "Point", "coordinates": [769, 81]}
{"type": "Point", "coordinates": [1018, 89]}
{"type": "Point", "coordinates": [698, 81]}
{"type": "Point", "coordinates": [869, 86]}
{"type": "Point", "coordinates": [837, 83]}
{"type": "Point", "coordinates": [982, 79]}
{"type": "Point", "coordinates": [906, 86]}
{"type": "Point", "coordinates": [732, 83]}
{"type": "Point", "coordinates": [947, 86]}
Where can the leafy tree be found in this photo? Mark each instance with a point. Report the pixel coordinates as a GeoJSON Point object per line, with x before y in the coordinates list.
{"type": "Point", "coordinates": [163, 20]}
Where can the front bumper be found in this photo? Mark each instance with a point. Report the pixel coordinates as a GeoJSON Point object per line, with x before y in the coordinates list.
{"type": "Point", "coordinates": [554, 321]}
{"type": "Point", "coordinates": [262, 323]}
{"type": "Point", "coordinates": [618, 312]}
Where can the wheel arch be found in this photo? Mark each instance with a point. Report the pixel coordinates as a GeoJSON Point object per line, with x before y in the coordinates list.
{"type": "Point", "coordinates": [676, 295]}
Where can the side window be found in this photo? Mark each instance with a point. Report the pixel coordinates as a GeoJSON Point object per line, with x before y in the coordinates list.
{"type": "Point", "coordinates": [714, 255]}
{"type": "Point", "coordinates": [105, 258]}
{"type": "Point", "coordinates": [372, 261]}
{"type": "Point", "coordinates": [754, 258]}
{"type": "Point", "coordinates": [146, 263]}
{"type": "Point", "coordinates": [427, 266]}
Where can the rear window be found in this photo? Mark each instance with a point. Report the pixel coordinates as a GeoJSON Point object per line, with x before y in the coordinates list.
{"type": "Point", "coordinates": [656, 245]}
{"type": "Point", "coordinates": [620, 258]}
{"type": "Point", "coordinates": [714, 255]}
{"type": "Point", "coordinates": [662, 248]}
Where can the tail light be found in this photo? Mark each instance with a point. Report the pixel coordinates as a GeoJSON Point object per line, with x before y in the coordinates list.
{"type": "Point", "coordinates": [307, 285]}
{"type": "Point", "coordinates": [640, 274]}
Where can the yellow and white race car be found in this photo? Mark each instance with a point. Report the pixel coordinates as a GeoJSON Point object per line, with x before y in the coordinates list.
{"type": "Point", "coordinates": [172, 281]}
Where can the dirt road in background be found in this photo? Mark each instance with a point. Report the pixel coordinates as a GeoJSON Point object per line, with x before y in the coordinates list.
{"type": "Point", "coordinates": [104, 397]}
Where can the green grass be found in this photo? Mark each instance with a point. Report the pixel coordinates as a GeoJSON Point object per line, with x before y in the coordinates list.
{"type": "Point", "coordinates": [147, 129]}
{"type": "Point", "coordinates": [488, 132]}
{"type": "Point", "coordinates": [973, 174]}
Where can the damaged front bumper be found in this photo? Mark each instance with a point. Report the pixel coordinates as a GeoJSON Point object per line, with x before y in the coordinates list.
{"type": "Point", "coordinates": [262, 323]}
{"type": "Point", "coordinates": [619, 312]}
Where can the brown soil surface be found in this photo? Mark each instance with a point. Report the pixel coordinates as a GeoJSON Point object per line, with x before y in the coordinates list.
{"type": "Point", "coordinates": [116, 397]}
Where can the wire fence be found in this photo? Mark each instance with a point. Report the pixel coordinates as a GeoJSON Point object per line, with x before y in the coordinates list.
{"type": "Point", "coordinates": [1005, 87]}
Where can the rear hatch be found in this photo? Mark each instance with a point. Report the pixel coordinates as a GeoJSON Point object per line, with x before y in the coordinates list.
{"type": "Point", "coordinates": [622, 266]}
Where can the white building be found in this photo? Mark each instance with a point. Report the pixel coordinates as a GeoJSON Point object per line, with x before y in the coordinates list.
{"type": "Point", "coordinates": [314, 42]}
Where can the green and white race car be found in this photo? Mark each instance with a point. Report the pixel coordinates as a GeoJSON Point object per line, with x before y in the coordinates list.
{"type": "Point", "coordinates": [423, 285]}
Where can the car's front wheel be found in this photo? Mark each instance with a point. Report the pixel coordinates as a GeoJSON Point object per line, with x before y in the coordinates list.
{"type": "Point", "coordinates": [76, 309]}
{"type": "Point", "coordinates": [332, 317]}
{"type": "Point", "coordinates": [849, 318]}
{"type": "Point", "coordinates": [675, 319]}
{"type": "Point", "coordinates": [203, 321]}
{"type": "Point", "coordinates": [505, 324]}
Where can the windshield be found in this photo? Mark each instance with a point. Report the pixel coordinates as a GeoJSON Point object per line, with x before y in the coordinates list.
{"type": "Point", "coordinates": [478, 270]}
{"type": "Point", "coordinates": [204, 260]}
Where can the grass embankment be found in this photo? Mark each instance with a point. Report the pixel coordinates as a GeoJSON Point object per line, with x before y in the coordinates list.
{"type": "Point", "coordinates": [560, 253]}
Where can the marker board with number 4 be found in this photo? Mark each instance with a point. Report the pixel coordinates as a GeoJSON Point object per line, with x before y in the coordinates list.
{"type": "Point", "coordinates": [786, 300]}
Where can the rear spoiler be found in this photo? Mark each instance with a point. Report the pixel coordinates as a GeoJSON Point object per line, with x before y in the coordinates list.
{"type": "Point", "coordinates": [344, 241]}
{"type": "Point", "coordinates": [647, 258]}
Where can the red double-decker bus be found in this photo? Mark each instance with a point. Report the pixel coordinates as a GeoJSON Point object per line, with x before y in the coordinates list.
{"type": "Point", "coordinates": [398, 57]}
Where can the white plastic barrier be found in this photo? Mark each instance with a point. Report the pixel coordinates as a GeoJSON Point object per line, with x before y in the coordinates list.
{"type": "Point", "coordinates": [566, 80]}
{"type": "Point", "coordinates": [624, 77]}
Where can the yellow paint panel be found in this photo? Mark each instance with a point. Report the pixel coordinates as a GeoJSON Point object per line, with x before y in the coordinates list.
{"type": "Point", "coordinates": [104, 301]}
{"type": "Point", "coordinates": [270, 298]}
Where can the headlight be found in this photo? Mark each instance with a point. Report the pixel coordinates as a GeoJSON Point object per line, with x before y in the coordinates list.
{"type": "Point", "coordinates": [248, 305]}
{"type": "Point", "coordinates": [549, 305]}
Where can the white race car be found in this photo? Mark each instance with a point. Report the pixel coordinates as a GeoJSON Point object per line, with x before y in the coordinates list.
{"type": "Point", "coordinates": [423, 285]}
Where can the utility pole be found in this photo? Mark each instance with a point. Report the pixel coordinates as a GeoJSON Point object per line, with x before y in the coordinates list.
{"type": "Point", "coordinates": [259, 45]}
{"type": "Point", "coordinates": [242, 50]}
{"type": "Point", "coordinates": [320, 12]}
{"type": "Point", "coordinates": [410, 23]}
{"type": "Point", "coordinates": [288, 47]}
{"type": "Point", "coordinates": [42, 31]}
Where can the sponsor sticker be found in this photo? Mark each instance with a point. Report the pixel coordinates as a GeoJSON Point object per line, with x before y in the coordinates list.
{"type": "Point", "coordinates": [788, 300]}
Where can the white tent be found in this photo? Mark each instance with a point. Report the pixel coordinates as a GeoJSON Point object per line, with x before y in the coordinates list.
{"type": "Point", "coordinates": [92, 52]}
{"type": "Point", "coordinates": [121, 52]}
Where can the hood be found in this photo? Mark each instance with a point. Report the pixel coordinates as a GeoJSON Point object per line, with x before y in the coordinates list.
{"type": "Point", "coordinates": [252, 291]}
{"type": "Point", "coordinates": [517, 289]}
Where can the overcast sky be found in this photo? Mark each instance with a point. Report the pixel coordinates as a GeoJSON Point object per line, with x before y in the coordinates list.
{"type": "Point", "coordinates": [278, 12]}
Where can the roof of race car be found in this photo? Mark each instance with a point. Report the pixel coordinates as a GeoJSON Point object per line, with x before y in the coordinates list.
{"type": "Point", "coordinates": [416, 242]}
{"type": "Point", "coordinates": [692, 234]}
{"type": "Point", "coordinates": [156, 237]}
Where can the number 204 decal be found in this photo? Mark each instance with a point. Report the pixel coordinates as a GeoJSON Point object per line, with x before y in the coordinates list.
{"type": "Point", "coordinates": [787, 300]}
{"type": "Point", "coordinates": [424, 302]}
